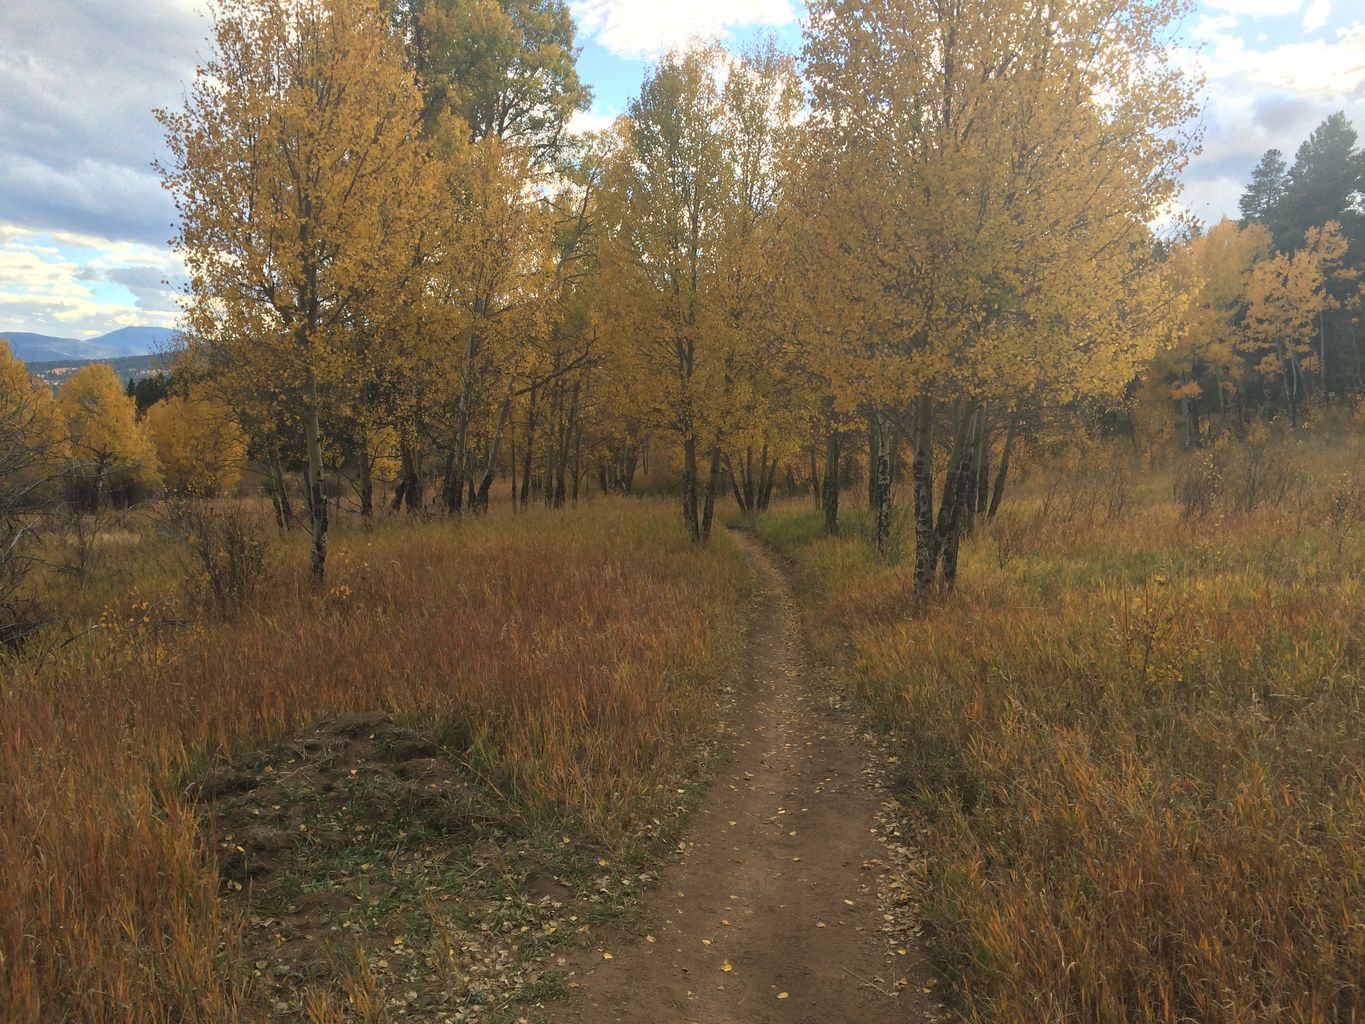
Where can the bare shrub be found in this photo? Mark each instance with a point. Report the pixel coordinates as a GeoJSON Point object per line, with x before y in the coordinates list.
{"type": "Point", "coordinates": [1344, 508]}
{"type": "Point", "coordinates": [227, 551]}
{"type": "Point", "coordinates": [1116, 482]}
{"type": "Point", "coordinates": [1255, 476]}
{"type": "Point", "coordinates": [1197, 486]}
{"type": "Point", "coordinates": [1012, 534]}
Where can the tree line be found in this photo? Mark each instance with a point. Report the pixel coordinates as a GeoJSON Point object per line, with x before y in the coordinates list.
{"type": "Point", "coordinates": [1275, 297]}
{"type": "Point", "coordinates": [932, 219]}
{"type": "Point", "coordinates": [896, 249]}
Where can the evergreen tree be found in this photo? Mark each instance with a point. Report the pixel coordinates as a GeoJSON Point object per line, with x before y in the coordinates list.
{"type": "Point", "coordinates": [1261, 199]}
{"type": "Point", "coordinates": [1324, 184]}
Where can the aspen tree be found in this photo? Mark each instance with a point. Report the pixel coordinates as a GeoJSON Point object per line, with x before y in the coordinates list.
{"type": "Point", "coordinates": [988, 173]}
{"type": "Point", "coordinates": [297, 168]}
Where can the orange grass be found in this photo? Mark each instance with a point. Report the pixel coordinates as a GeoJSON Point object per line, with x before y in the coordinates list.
{"type": "Point", "coordinates": [1141, 754]}
{"type": "Point", "coordinates": [578, 658]}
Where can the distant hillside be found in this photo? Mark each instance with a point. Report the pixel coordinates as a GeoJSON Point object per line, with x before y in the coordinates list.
{"type": "Point", "coordinates": [55, 371]}
{"type": "Point", "coordinates": [126, 341]}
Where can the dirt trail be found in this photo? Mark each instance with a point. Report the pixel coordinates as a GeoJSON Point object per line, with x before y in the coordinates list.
{"type": "Point", "coordinates": [778, 879]}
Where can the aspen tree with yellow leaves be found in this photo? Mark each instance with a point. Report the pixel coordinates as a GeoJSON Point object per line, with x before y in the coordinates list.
{"type": "Point", "coordinates": [32, 454]}
{"type": "Point", "coordinates": [298, 169]}
{"type": "Point", "coordinates": [491, 278]}
{"type": "Point", "coordinates": [1286, 295]}
{"type": "Point", "coordinates": [663, 196]}
{"type": "Point", "coordinates": [987, 173]}
{"type": "Point", "coordinates": [688, 199]}
{"type": "Point", "coordinates": [112, 458]}
{"type": "Point", "coordinates": [1204, 357]}
{"type": "Point", "coordinates": [198, 444]}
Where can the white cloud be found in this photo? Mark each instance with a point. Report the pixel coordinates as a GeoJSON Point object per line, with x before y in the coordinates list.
{"type": "Point", "coordinates": [74, 285]}
{"type": "Point", "coordinates": [647, 28]}
{"type": "Point", "coordinates": [1262, 96]}
{"type": "Point", "coordinates": [593, 120]}
{"type": "Point", "coordinates": [1255, 8]}
{"type": "Point", "coordinates": [1317, 14]}
{"type": "Point", "coordinates": [1314, 66]}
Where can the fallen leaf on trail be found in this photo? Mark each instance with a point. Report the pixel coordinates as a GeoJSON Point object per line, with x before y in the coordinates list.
{"type": "Point", "coordinates": [649, 939]}
{"type": "Point", "coordinates": [727, 967]}
{"type": "Point", "coordinates": [606, 955]}
{"type": "Point", "coordinates": [782, 995]}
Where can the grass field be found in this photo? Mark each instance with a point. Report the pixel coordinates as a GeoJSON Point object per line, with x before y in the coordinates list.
{"type": "Point", "coordinates": [1136, 744]}
{"type": "Point", "coordinates": [560, 672]}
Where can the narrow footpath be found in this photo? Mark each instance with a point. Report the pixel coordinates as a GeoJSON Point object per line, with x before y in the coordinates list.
{"type": "Point", "coordinates": [772, 911]}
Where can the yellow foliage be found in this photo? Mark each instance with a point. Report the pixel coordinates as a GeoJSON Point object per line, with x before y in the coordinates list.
{"type": "Point", "coordinates": [108, 445]}
{"type": "Point", "coordinates": [200, 446]}
{"type": "Point", "coordinates": [28, 412]}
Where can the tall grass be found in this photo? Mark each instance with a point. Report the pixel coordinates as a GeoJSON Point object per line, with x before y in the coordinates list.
{"type": "Point", "coordinates": [1140, 750]}
{"type": "Point", "coordinates": [576, 657]}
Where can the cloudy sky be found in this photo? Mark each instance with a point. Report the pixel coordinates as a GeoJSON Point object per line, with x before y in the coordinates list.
{"type": "Point", "coordinates": [84, 223]}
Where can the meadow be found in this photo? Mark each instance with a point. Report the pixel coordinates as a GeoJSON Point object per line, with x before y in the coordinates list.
{"type": "Point", "coordinates": [559, 679]}
{"type": "Point", "coordinates": [1133, 737]}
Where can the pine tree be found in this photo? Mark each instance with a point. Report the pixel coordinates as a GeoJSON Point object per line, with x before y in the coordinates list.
{"type": "Point", "coordinates": [1261, 200]}
{"type": "Point", "coordinates": [1324, 184]}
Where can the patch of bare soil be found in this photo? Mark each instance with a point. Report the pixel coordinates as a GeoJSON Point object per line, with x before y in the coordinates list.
{"type": "Point", "coordinates": [369, 867]}
{"type": "Point", "coordinates": [793, 895]}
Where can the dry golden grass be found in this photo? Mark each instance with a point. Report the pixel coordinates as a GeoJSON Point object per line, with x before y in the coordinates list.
{"type": "Point", "coordinates": [1140, 748]}
{"type": "Point", "coordinates": [577, 656]}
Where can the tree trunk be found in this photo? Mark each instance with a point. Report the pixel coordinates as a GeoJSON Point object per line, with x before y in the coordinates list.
{"type": "Point", "coordinates": [948, 519]}
{"type": "Point", "coordinates": [983, 474]}
{"type": "Point", "coordinates": [284, 509]}
{"type": "Point", "coordinates": [765, 489]}
{"type": "Point", "coordinates": [526, 461]}
{"type": "Point", "coordinates": [972, 471]}
{"type": "Point", "coordinates": [480, 503]}
{"type": "Point", "coordinates": [409, 490]}
{"type": "Point", "coordinates": [366, 488]}
{"type": "Point", "coordinates": [922, 473]}
{"type": "Point", "coordinates": [451, 485]}
{"type": "Point", "coordinates": [815, 488]}
{"type": "Point", "coordinates": [953, 515]}
{"type": "Point", "coordinates": [317, 501]}
{"type": "Point", "coordinates": [709, 506]}
{"type": "Point", "coordinates": [829, 498]}
{"type": "Point", "coordinates": [998, 490]}
{"type": "Point", "coordinates": [872, 453]}
{"type": "Point", "coordinates": [512, 463]}
{"type": "Point", "coordinates": [879, 470]}
{"type": "Point", "coordinates": [689, 489]}
{"type": "Point", "coordinates": [462, 465]}
{"type": "Point", "coordinates": [734, 485]}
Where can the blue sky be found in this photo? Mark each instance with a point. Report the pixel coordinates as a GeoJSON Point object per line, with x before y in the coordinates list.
{"type": "Point", "coordinates": [84, 223]}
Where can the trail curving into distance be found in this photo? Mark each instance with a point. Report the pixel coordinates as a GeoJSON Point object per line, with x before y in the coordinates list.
{"type": "Point", "coordinates": [779, 877]}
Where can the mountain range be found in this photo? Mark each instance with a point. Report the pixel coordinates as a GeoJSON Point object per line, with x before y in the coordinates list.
{"type": "Point", "coordinates": [126, 341]}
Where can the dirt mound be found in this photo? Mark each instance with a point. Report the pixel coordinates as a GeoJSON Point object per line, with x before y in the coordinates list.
{"type": "Point", "coordinates": [327, 785]}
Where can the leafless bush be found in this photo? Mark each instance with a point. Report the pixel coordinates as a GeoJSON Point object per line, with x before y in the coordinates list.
{"type": "Point", "coordinates": [1197, 486]}
{"type": "Point", "coordinates": [227, 552]}
{"type": "Point", "coordinates": [1010, 534]}
{"type": "Point", "coordinates": [1255, 476]}
{"type": "Point", "coordinates": [1117, 482]}
{"type": "Point", "coordinates": [1344, 508]}
{"type": "Point", "coordinates": [1099, 483]}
